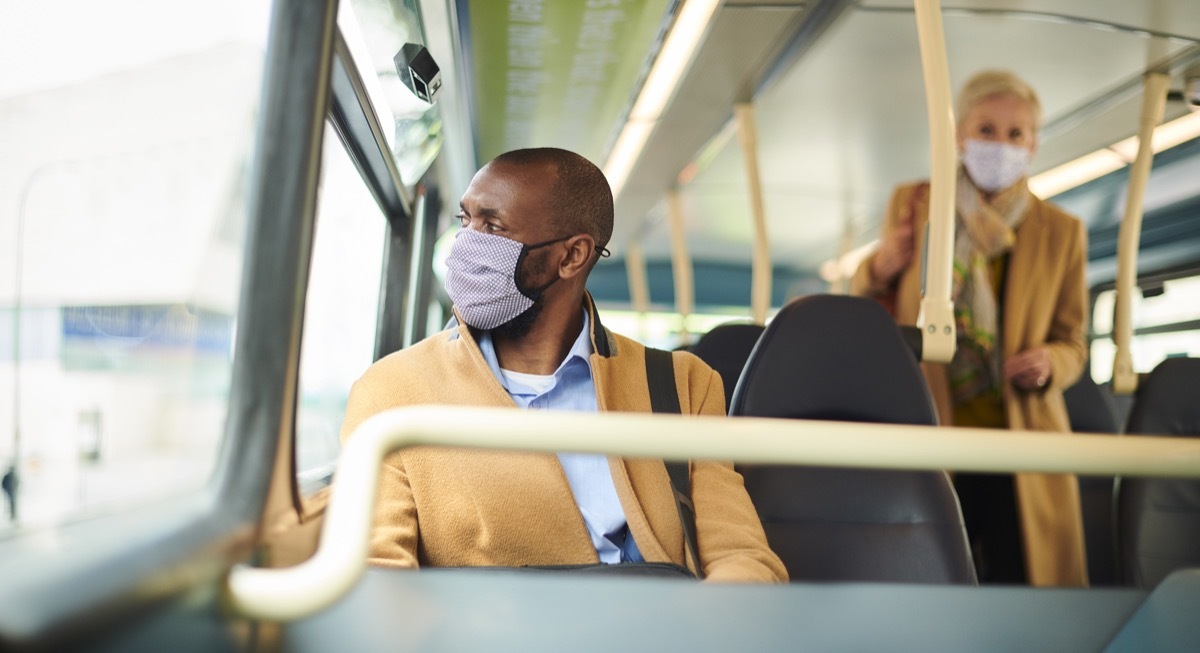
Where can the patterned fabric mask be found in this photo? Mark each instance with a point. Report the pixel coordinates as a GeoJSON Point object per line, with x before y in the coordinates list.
{"type": "Point", "coordinates": [481, 278]}
{"type": "Point", "coordinates": [994, 166]}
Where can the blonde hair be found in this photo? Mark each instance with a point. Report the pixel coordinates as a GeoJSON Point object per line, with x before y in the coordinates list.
{"type": "Point", "coordinates": [989, 83]}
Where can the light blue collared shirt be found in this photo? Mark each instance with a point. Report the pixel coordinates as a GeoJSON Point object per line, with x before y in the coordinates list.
{"type": "Point", "coordinates": [571, 388]}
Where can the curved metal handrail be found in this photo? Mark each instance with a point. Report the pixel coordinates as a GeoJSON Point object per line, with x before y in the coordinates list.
{"type": "Point", "coordinates": [293, 592]}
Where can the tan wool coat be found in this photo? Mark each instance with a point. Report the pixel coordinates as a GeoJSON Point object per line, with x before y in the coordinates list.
{"type": "Point", "coordinates": [1044, 305]}
{"type": "Point", "coordinates": [453, 507]}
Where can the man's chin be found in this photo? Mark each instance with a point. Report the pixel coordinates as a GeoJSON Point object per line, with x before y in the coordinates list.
{"type": "Point", "coordinates": [520, 326]}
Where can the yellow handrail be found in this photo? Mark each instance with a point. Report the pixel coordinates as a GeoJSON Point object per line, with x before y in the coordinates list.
{"type": "Point", "coordinates": [760, 281]}
{"type": "Point", "coordinates": [936, 317]}
{"type": "Point", "coordinates": [1154, 99]}
{"type": "Point", "coordinates": [639, 284]}
{"type": "Point", "coordinates": [294, 592]}
{"type": "Point", "coordinates": [681, 264]}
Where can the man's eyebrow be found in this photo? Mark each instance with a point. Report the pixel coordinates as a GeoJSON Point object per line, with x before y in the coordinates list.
{"type": "Point", "coordinates": [484, 211]}
{"type": "Point", "coordinates": [492, 215]}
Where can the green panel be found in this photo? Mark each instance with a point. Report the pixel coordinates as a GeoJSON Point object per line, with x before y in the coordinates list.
{"type": "Point", "coordinates": [555, 72]}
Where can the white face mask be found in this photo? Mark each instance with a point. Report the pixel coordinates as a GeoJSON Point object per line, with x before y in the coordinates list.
{"type": "Point", "coordinates": [482, 278]}
{"type": "Point", "coordinates": [994, 166]}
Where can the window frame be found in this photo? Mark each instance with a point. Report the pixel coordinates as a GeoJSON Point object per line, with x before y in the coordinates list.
{"type": "Point", "coordinates": [357, 124]}
{"type": "Point", "coordinates": [357, 127]}
{"type": "Point", "coordinates": [310, 496]}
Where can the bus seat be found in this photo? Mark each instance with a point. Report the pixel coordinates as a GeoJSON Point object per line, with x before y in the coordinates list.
{"type": "Point", "coordinates": [725, 349]}
{"type": "Point", "coordinates": [1123, 403]}
{"type": "Point", "coordinates": [1091, 409]}
{"type": "Point", "coordinates": [1158, 520]}
{"type": "Point", "coordinates": [843, 358]}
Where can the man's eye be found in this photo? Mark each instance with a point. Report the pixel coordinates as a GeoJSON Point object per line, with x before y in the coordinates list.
{"type": "Point", "coordinates": [462, 220]}
{"type": "Point", "coordinates": [493, 228]}
{"type": "Point", "coordinates": [1015, 134]}
{"type": "Point", "coordinates": [986, 129]}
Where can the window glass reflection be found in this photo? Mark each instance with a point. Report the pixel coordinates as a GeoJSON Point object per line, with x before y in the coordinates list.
{"type": "Point", "coordinates": [1171, 314]}
{"type": "Point", "coordinates": [123, 188]}
{"type": "Point", "coordinates": [340, 310]}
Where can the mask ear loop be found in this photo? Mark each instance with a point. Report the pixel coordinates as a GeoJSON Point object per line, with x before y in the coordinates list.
{"type": "Point", "coordinates": [603, 252]}
{"type": "Point", "coordinates": [525, 248]}
{"type": "Point", "coordinates": [533, 294]}
{"type": "Point", "coordinates": [536, 293]}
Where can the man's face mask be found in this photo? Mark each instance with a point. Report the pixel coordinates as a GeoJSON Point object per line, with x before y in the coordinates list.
{"type": "Point", "coordinates": [994, 166]}
{"type": "Point", "coordinates": [482, 281]}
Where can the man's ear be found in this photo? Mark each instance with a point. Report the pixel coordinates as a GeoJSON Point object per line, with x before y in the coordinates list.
{"type": "Point", "coordinates": [581, 250]}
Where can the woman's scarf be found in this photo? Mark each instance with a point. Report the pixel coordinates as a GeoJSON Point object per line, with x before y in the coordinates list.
{"type": "Point", "coordinates": [983, 231]}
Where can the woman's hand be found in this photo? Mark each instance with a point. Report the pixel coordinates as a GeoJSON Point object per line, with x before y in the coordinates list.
{"type": "Point", "coordinates": [1029, 370]}
{"type": "Point", "coordinates": [895, 250]}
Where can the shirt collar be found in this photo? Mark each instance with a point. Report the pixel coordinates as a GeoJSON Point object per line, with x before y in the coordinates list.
{"type": "Point", "coordinates": [581, 349]}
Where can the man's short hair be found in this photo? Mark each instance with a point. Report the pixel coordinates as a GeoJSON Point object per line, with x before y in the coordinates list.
{"type": "Point", "coordinates": [580, 197]}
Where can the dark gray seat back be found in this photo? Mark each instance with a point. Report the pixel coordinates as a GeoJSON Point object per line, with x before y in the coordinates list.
{"type": "Point", "coordinates": [726, 348]}
{"type": "Point", "coordinates": [1091, 409]}
{"type": "Point", "coordinates": [842, 358]}
{"type": "Point", "coordinates": [1158, 520]}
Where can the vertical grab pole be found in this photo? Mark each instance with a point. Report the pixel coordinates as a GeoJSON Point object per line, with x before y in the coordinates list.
{"type": "Point", "coordinates": [840, 285]}
{"type": "Point", "coordinates": [760, 283]}
{"type": "Point", "coordinates": [681, 264]}
{"type": "Point", "coordinates": [936, 318]}
{"type": "Point", "coordinates": [639, 286]}
{"type": "Point", "coordinates": [1154, 99]}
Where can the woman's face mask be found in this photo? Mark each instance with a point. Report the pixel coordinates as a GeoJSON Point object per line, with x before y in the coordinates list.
{"type": "Point", "coordinates": [482, 278]}
{"type": "Point", "coordinates": [997, 138]}
{"type": "Point", "coordinates": [994, 166]}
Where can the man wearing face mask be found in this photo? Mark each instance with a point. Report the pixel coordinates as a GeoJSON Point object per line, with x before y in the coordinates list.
{"type": "Point", "coordinates": [1019, 304]}
{"type": "Point", "coordinates": [534, 223]}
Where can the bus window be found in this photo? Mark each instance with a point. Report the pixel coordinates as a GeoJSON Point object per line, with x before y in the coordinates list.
{"type": "Point", "coordinates": [665, 330]}
{"type": "Point", "coordinates": [1166, 323]}
{"type": "Point", "coordinates": [123, 190]}
{"type": "Point", "coordinates": [340, 310]}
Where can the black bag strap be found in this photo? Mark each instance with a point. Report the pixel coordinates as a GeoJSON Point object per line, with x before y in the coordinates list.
{"type": "Point", "coordinates": [660, 373]}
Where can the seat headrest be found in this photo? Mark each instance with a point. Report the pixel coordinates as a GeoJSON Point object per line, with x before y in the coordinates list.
{"type": "Point", "coordinates": [834, 357]}
{"type": "Point", "coordinates": [726, 348]}
{"type": "Point", "coordinates": [1090, 408]}
{"type": "Point", "coordinates": [1168, 401]}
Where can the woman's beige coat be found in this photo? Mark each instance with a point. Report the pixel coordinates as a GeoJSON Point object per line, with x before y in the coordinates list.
{"type": "Point", "coordinates": [1044, 305]}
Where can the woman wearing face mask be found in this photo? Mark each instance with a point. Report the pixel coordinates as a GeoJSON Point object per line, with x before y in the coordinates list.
{"type": "Point", "coordinates": [1019, 301]}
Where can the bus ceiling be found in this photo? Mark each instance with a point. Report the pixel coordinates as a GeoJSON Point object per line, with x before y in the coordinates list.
{"type": "Point", "coordinates": [835, 86]}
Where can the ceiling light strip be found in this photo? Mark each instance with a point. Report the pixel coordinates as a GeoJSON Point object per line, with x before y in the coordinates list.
{"type": "Point", "coordinates": [1096, 164]}
{"type": "Point", "coordinates": [660, 86]}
